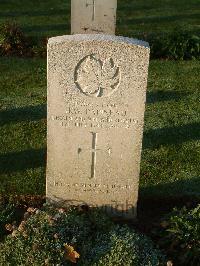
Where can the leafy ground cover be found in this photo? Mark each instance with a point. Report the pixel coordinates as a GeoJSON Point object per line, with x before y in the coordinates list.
{"type": "Point", "coordinates": [171, 154]}
{"type": "Point", "coordinates": [31, 231]}
{"type": "Point", "coordinates": [62, 237]}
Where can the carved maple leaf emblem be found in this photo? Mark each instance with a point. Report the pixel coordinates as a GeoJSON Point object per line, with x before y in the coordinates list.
{"type": "Point", "coordinates": [96, 78]}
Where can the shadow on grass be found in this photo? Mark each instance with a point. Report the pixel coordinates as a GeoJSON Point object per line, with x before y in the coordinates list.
{"type": "Point", "coordinates": [154, 138]}
{"type": "Point", "coordinates": [185, 190]}
{"type": "Point", "coordinates": [161, 96]}
{"type": "Point", "coordinates": [34, 13]}
{"type": "Point", "coordinates": [51, 27]}
{"type": "Point", "coordinates": [19, 161]}
{"type": "Point", "coordinates": [182, 192]}
{"type": "Point", "coordinates": [154, 202]}
{"type": "Point", "coordinates": [160, 18]}
{"type": "Point", "coordinates": [124, 7]}
{"type": "Point", "coordinates": [29, 113]}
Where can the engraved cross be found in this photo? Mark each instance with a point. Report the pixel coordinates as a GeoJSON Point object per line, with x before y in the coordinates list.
{"type": "Point", "coordinates": [94, 151]}
{"type": "Point", "coordinates": [93, 8]}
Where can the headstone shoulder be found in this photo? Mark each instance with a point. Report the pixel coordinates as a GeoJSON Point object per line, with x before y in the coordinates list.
{"type": "Point", "coordinates": [97, 37]}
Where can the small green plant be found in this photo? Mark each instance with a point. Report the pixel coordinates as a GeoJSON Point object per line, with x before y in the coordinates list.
{"type": "Point", "coordinates": [13, 41]}
{"type": "Point", "coordinates": [62, 237]}
{"type": "Point", "coordinates": [122, 246]}
{"type": "Point", "coordinates": [180, 236]}
{"type": "Point", "coordinates": [178, 45]}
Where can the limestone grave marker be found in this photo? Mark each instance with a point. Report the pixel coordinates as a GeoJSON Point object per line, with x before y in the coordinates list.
{"type": "Point", "coordinates": [93, 16]}
{"type": "Point", "coordinates": [96, 103]}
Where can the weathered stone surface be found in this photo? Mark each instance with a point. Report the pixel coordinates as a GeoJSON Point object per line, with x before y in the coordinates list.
{"type": "Point", "coordinates": [93, 16]}
{"type": "Point", "coordinates": [96, 102]}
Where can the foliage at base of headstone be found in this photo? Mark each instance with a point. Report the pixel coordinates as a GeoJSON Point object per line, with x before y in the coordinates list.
{"type": "Point", "coordinates": [64, 237]}
{"type": "Point", "coordinates": [122, 246]}
{"type": "Point", "coordinates": [7, 214]}
{"type": "Point", "coordinates": [179, 235]}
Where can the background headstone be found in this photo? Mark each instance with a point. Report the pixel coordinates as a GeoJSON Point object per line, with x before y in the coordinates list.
{"type": "Point", "coordinates": [93, 16]}
{"type": "Point", "coordinates": [96, 102]}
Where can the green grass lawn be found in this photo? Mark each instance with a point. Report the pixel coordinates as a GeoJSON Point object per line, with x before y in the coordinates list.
{"type": "Point", "coordinates": [171, 147]}
{"type": "Point", "coordinates": [22, 125]}
{"type": "Point", "coordinates": [49, 17]}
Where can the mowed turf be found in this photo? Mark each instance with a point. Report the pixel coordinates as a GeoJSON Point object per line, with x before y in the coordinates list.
{"type": "Point", "coordinates": [50, 18]}
{"type": "Point", "coordinates": [171, 146]}
{"type": "Point", "coordinates": [22, 125]}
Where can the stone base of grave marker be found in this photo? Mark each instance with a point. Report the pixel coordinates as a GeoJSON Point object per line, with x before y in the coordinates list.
{"type": "Point", "coordinates": [96, 103]}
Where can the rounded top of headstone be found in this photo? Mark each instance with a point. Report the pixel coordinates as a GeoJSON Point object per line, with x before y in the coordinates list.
{"type": "Point", "coordinates": [97, 37]}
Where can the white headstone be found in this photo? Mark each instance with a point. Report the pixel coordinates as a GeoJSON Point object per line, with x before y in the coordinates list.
{"type": "Point", "coordinates": [96, 102]}
{"type": "Point", "coordinates": [93, 16]}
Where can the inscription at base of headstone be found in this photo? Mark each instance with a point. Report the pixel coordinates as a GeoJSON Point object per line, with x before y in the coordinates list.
{"type": "Point", "coordinates": [96, 103]}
